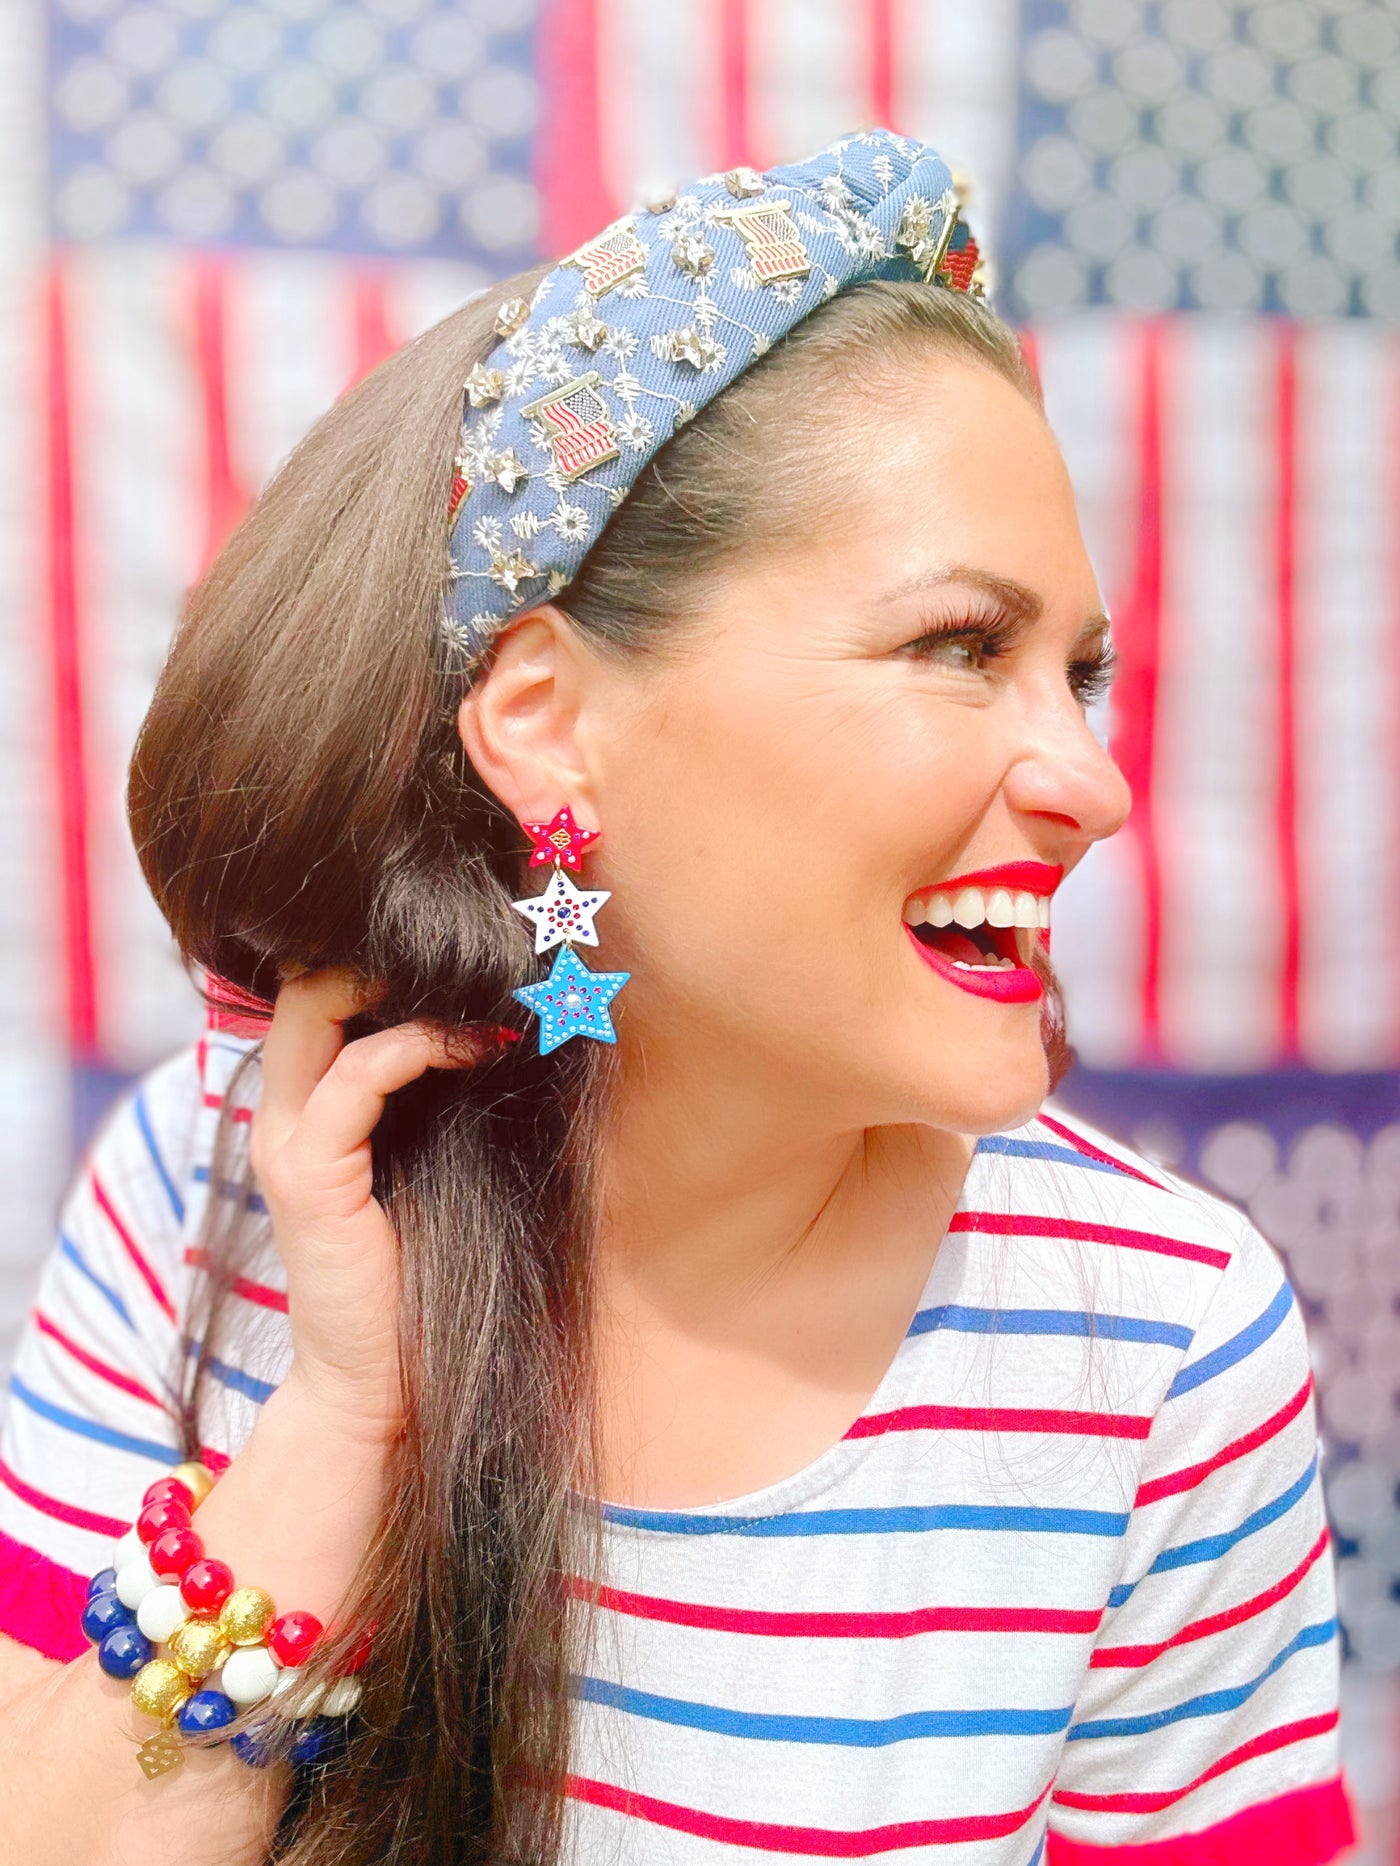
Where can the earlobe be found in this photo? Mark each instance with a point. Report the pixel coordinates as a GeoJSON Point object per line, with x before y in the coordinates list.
{"type": "Point", "coordinates": [518, 722]}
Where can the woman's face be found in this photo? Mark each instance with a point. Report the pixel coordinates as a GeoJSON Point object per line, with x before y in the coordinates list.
{"type": "Point", "coordinates": [876, 733]}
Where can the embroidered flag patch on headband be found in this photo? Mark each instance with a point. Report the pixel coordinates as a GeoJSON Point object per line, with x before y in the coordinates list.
{"type": "Point", "coordinates": [630, 336]}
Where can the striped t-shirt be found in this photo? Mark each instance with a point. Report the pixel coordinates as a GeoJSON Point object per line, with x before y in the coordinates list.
{"type": "Point", "coordinates": [1062, 1594]}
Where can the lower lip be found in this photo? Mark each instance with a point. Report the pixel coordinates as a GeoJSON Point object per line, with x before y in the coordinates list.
{"type": "Point", "coordinates": [1018, 985]}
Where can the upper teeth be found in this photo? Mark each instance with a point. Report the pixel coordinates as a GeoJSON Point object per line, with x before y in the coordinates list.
{"type": "Point", "coordinates": [971, 907]}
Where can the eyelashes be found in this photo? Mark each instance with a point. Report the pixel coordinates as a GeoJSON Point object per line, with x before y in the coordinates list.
{"type": "Point", "coordinates": [975, 643]}
{"type": "Point", "coordinates": [1091, 676]}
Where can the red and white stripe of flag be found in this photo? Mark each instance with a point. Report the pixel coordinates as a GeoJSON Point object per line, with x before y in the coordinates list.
{"type": "Point", "coordinates": [1235, 478]}
{"type": "Point", "coordinates": [175, 383]}
{"type": "Point", "coordinates": [643, 97]}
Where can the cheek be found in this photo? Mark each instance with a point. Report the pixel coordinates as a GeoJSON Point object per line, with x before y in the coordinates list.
{"type": "Point", "coordinates": [783, 845]}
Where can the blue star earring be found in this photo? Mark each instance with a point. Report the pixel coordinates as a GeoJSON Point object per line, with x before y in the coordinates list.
{"type": "Point", "coordinates": [572, 1001]}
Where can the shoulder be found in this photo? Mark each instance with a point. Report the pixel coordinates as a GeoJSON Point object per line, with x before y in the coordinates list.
{"type": "Point", "coordinates": [1142, 1241]}
{"type": "Point", "coordinates": [138, 1166]}
{"type": "Point", "coordinates": [138, 1191]}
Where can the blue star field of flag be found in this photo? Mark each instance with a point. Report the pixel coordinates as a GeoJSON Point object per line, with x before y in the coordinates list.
{"type": "Point", "coordinates": [1203, 154]}
{"type": "Point", "coordinates": [401, 127]}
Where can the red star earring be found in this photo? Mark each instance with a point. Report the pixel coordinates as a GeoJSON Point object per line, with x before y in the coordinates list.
{"type": "Point", "coordinates": [572, 1001]}
{"type": "Point", "coordinates": [559, 840]}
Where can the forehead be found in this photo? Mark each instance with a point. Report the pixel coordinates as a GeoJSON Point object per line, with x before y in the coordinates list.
{"type": "Point", "coordinates": [922, 463]}
{"type": "Point", "coordinates": [962, 452]}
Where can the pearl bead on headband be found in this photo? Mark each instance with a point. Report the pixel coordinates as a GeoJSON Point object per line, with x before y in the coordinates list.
{"type": "Point", "coordinates": [626, 339]}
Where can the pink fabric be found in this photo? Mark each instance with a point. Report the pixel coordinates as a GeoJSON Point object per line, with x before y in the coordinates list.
{"type": "Point", "coordinates": [41, 1604]}
{"type": "Point", "coordinates": [1306, 1828]}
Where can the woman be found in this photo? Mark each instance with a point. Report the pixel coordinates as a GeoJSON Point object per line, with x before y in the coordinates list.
{"type": "Point", "coordinates": [959, 1492]}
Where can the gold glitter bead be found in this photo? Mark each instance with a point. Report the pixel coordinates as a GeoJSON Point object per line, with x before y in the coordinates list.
{"type": "Point", "coordinates": [159, 1689]}
{"type": "Point", "coordinates": [246, 1616]}
{"type": "Point", "coordinates": [197, 1477]}
{"type": "Point", "coordinates": [199, 1646]}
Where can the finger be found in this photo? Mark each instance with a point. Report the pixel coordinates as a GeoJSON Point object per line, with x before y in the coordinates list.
{"type": "Point", "coordinates": [302, 1042]}
{"type": "Point", "coordinates": [346, 1104]}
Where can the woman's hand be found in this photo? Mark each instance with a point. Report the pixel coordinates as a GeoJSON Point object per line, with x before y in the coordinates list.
{"type": "Point", "coordinates": [310, 1152]}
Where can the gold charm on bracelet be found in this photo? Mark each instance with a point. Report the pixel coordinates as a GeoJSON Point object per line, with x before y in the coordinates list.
{"type": "Point", "coordinates": [159, 1754]}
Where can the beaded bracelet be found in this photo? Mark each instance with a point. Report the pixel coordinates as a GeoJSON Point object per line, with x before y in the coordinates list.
{"type": "Point", "coordinates": [163, 1590]}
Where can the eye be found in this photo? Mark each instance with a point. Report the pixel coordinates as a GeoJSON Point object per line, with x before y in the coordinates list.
{"type": "Point", "coordinates": [1091, 675]}
{"type": "Point", "coordinates": [967, 648]}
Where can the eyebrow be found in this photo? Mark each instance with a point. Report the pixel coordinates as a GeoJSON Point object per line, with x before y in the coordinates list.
{"type": "Point", "coordinates": [1023, 602]}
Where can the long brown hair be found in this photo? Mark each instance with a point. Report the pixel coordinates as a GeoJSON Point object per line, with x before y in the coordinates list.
{"type": "Point", "coordinates": [299, 795]}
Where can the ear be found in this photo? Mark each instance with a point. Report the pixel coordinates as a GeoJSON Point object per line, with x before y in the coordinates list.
{"type": "Point", "coordinates": [519, 722]}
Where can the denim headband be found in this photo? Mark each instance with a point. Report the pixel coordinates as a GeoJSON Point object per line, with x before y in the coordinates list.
{"type": "Point", "coordinates": [626, 339]}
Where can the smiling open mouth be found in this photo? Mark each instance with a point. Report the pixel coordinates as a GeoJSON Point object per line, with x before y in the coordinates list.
{"type": "Point", "coordinates": [981, 936]}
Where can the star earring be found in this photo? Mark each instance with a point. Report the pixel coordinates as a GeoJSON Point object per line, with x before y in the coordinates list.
{"type": "Point", "coordinates": [572, 1001]}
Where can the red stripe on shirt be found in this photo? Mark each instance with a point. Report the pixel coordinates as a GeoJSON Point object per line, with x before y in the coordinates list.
{"type": "Point", "coordinates": [41, 1603]}
{"type": "Point", "coordinates": [1080, 1145]}
{"type": "Point", "coordinates": [263, 1294]}
{"type": "Point", "coordinates": [132, 1248]}
{"type": "Point", "coordinates": [1113, 1656]}
{"type": "Point", "coordinates": [234, 1114]}
{"type": "Point", "coordinates": [61, 1512]}
{"type": "Point", "coordinates": [774, 1625]}
{"type": "Point", "coordinates": [1034, 1225]}
{"type": "Point", "coordinates": [822, 1842]}
{"type": "Point", "coordinates": [1153, 1803]}
{"type": "Point", "coordinates": [1305, 1828]}
{"type": "Point", "coordinates": [1000, 1419]}
{"type": "Point", "coordinates": [91, 1362]}
{"type": "Point", "coordinates": [224, 1019]}
{"type": "Point", "coordinates": [1175, 1482]}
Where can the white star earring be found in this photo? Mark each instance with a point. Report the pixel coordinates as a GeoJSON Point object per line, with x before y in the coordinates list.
{"type": "Point", "coordinates": [572, 1001]}
{"type": "Point", "coordinates": [563, 912]}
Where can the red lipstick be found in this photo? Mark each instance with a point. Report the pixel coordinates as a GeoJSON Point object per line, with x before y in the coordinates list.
{"type": "Point", "coordinates": [1031, 877]}
{"type": "Point", "coordinates": [953, 951]}
{"type": "Point", "coordinates": [1019, 985]}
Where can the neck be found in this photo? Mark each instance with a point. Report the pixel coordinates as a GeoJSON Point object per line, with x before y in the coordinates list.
{"type": "Point", "coordinates": [718, 1176]}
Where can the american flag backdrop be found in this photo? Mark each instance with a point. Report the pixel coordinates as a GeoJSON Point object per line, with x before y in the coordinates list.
{"type": "Point", "coordinates": [215, 214]}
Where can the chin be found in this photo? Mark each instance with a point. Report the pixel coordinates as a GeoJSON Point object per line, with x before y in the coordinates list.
{"type": "Point", "coordinates": [1001, 1089]}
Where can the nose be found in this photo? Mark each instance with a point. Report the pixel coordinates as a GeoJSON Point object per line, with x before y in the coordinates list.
{"type": "Point", "coordinates": [1066, 775]}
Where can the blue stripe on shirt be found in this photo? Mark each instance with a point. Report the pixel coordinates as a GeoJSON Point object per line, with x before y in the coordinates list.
{"type": "Point", "coordinates": [911, 1519]}
{"type": "Point", "coordinates": [89, 1428]}
{"type": "Point", "coordinates": [847, 1732]}
{"type": "Point", "coordinates": [241, 1382]}
{"type": "Point", "coordinates": [67, 1248]}
{"type": "Point", "coordinates": [143, 1119]}
{"type": "Point", "coordinates": [1042, 1150]}
{"type": "Point", "coordinates": [1210, 1703]}
{"type": "Point", "coordinates": [238, 1378]}
{"type": "Point", "coordinates": [1211, 1548]}
{"type": "Point", "coordinates": [1036, 1857]}
{"type": "Point", "coordinates": [228, 1189]}
{"type": "Point", "coordinates": [1079, 1322]}
{"type": "Point", "coordinates": [1237, 1348]}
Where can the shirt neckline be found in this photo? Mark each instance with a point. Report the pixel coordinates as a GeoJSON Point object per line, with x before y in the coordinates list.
{"type": "Point", "coordinates": [827, 1469]}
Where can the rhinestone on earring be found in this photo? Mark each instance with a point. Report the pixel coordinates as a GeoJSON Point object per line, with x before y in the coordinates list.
{"type": "Point", "coordinates": [571, 1001]}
